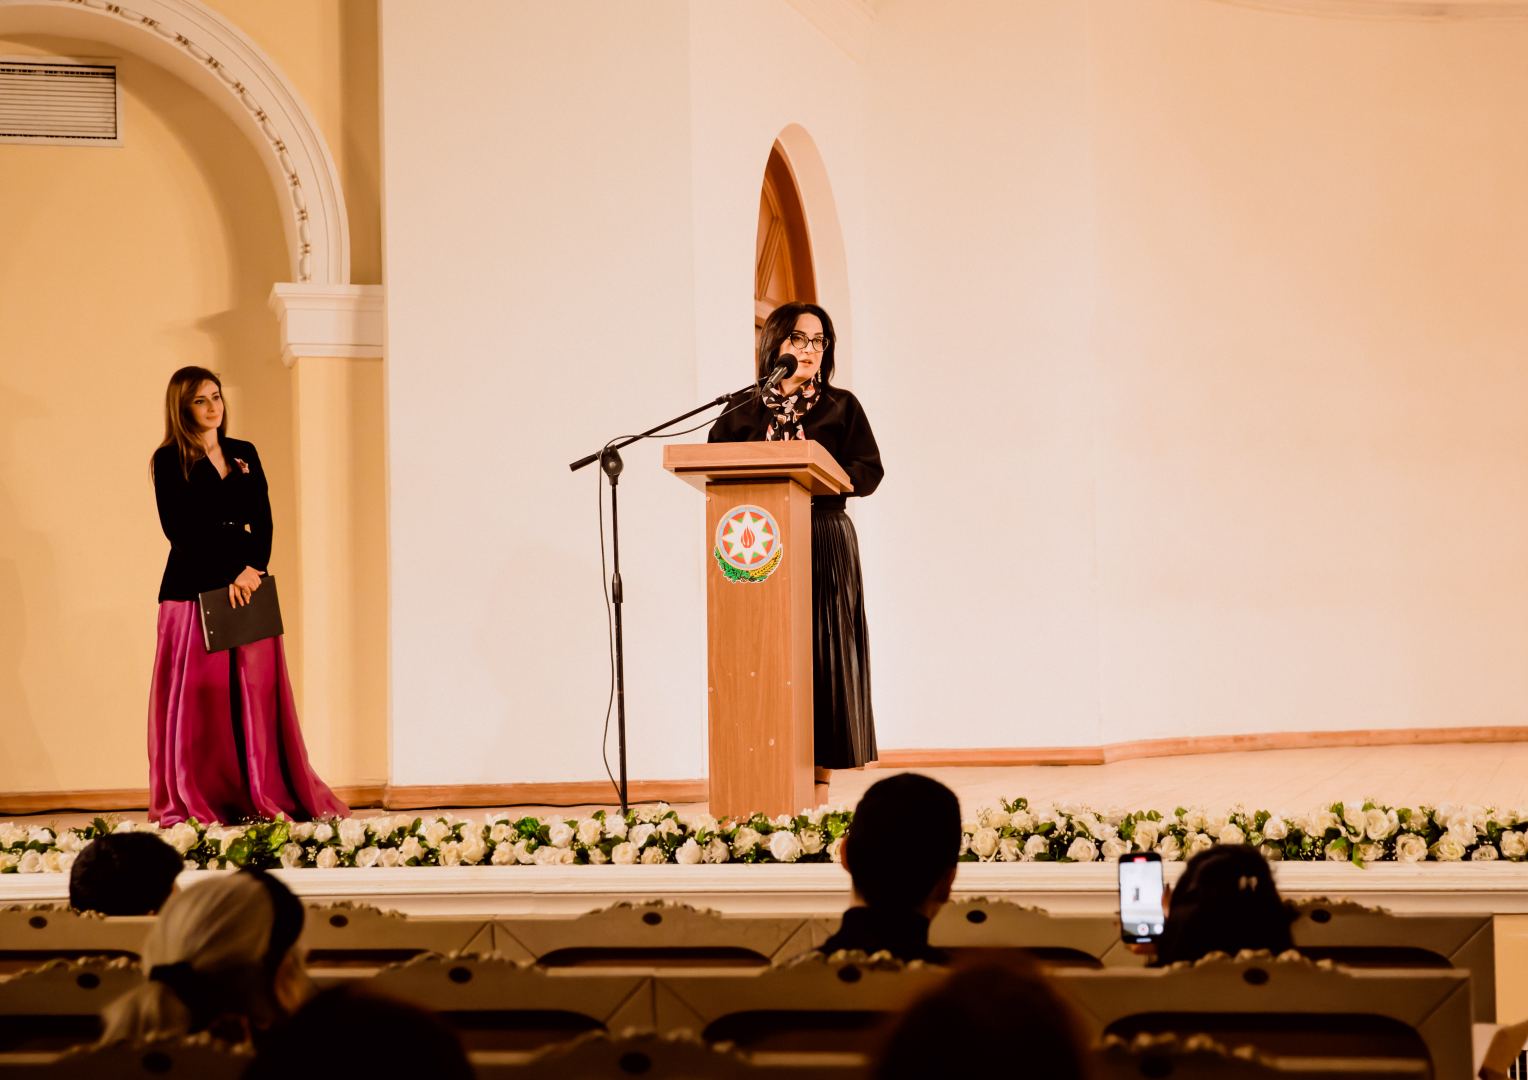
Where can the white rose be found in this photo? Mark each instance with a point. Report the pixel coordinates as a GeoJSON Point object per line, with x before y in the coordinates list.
{"type": "Point", "coordinates": [1323, 822]}
{"type": "Point", "coordinates": [811, 841]}
{"type": "Point", "coordinates": [1113, 848]}
{"type": "Point", "coordinates": [1448, 849]}
{"type": "Point", "coordinates": [1196, 843]}
{"type": "Point", "coordinates": [1195, 820]}
{"type": "Point", "coordinates": [624, 854]}
{"type": "Point", "coordinates": [1034, 847]}
{"type": "Point", "coordinates": [707, 823]}
{"type": "Point", "coordinates": [652, 856]}
{"type": "Point", "coordinates": [352, 833]}
{"type": "Point", "coordinates": [1462, 831]}
{"type": "Point", "coordinates": [1023, 821]}
{"type": "Point", "coordinates": [291, 855]}
{"type": "Point", "coordinates": [1409, 847]}
{"type": "Point", "coordinates": [994, 819]}
{"type": "Point", "coordinates": [589, 831]}
{"type": "Point", "coordinates": [69, 841]}
{"type": "Point", "coordinates": [367, 856]}
{"type": "Point", "coordinates": [37, 834]}
{"type": "Point", "coordinates": [11, 834]}
{"type": "Point", "coordinates": [53, 861]}
{"type": "Point", "coordinates": [745, 841]}
{"type": "Point", "coordinates": [327, 859]}
{"type": "Point", "coordinates": [9, 859]}
{"type": "Point", "coordinates": [1380, 824]}
{"type": "Point", "coordinates": [655, 812]}
{"type": "Point", "coordinates": [1090, 824]}
{"type": "Point", "coordinates": [1272, 853]}
{"type": "Point", "coordinates": [561, 834]}
{"type": "Point", "coordinates": [1082, 850]}
{"type": "Point", "coordinates": [1230, 834]}
{"type": "Point", "coordinates": [389, 857]}
{"type": "Point", "coordinates": [597, 857]}
{"type": "Point", "coordinates": [717, 851]}
{"type": "Point", "coordinates": [615, 826]}
{"type": "Point", "coordinates": [1008, 849]}
{"type": "Point", "coordinates": [435, 832]}
{"type": "Point", "coordinates": [1146, 834]}
{"type": "Point", "coordinates": [124, 826]}
{"type": "Point", "coordinates": [1214, 826]}
{"type": "Point", "coordinates": [1169, 849]}
{"type": "Point", "coordinates": [1485, 853]}
{"type": "Point", "coordinates": [1514, 845]}
{"type": "Point", "coordinates": [547, 855]}
{"type": "Point", "coordinates": [1338, 851]}
{"type": "Point", "coordinates": [668, 827]}
{"type": "Point", "coordinates": [450, 854]}
{"type": "Point", "coordinates": [642, 833]}
{"type": "Point", "coordinates": [1354, 815]}
{"type": "Point", "coordinates": [182, 837]}
{"type": "Point", "coordinates": [501, 833]}
{"type": "Point", "coordinates": [687, 853]}
{"type": "Point", "coordinates": [522, 852]}
{"type": "Point", "coordinates": [835, 850]}
{"type": "Point", "coordinates": [784, 846]}
{"type": "Point", "coordinates": [323, 832]}
{"type": "Point", "coordinates": [302, 831]}
{"type": "Point", "coordinates": [1371, 852]}
{"type": "Point", "coordinates": [411, 848]}
{"type": "Point", "coordinates": [503, 855]}
{"type": "Point", "coordinates": [1275, 828]}
{"type": "Point", "coordinates": [474, 847]}
{"type": "Point", "coordinates": [31, 863]}
{"type": "Point", "coordinates": [984, 843]}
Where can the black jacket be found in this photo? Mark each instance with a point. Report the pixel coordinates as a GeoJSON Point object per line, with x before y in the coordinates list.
{"type": "Point", "coordinates": [904, 934]}
{"type": "Point", "coordinates": [216, 526]}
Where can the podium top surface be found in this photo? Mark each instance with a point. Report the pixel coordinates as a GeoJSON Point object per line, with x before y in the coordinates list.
{"type": "Point", "coordinates": [806, 462]}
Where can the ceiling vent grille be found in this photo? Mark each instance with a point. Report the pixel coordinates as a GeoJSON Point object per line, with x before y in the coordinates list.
{"type": "Point", "coordinates": [59, 101]}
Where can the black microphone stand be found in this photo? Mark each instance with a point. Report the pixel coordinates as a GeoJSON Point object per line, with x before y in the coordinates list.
{"type": "Point", "coordinates": [609, 458]}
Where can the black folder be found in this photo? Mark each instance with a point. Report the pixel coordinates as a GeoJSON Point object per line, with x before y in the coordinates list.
{"type": "Point", "coordinates": [225, 626]}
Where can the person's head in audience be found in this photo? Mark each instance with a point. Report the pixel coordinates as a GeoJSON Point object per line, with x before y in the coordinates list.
{"type": "Point", "coordinates": [129, 873]}
{"type": "Point", "coordinates": [1225, 901]}
{"type": "Point", "coordinates": [405, 1042]}
{"type": "Point", "coordinates": [222, 958]}
{"type": "Point", "coordinates": [954, 1030]}
{"type": "Point", "coordinates": [903, 843]}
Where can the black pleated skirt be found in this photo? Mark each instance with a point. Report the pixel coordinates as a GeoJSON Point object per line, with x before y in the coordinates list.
{"type": "Point", "coordinates": [843, 721]}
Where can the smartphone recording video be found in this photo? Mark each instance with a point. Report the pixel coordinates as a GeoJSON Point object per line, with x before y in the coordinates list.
{"type": "Point", "coordinates": [1140, 897]}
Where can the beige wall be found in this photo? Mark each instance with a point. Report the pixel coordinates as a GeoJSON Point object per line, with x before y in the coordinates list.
{"type": "Point", "coordinates": [122, 264]}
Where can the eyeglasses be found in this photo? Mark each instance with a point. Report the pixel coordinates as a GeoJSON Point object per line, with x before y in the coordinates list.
{"type": "Point", "coordinates": [801, 341]}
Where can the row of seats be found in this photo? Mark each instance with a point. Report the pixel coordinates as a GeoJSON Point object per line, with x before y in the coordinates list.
{"type": "Point", "coordinates": [1309, 1012]}
{"type": "Point", "coordinates": [347, 936]}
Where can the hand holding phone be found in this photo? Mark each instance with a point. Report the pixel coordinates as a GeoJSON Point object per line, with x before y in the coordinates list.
{"type": "Point", "coordinates": [1141, 917]}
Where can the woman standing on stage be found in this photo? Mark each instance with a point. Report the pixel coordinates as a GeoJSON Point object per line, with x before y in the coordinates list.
{"type": "Point", "coordinates": [224, 744]}
{"type": "Point", "coordinates": [807, 406]}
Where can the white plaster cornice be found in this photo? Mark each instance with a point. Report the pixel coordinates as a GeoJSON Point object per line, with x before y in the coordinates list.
{"type": "Point", "coordinates": [215, 57]}
{"type": "Point", "coordinates": [329, 320]}
{"type": "Point", "coordinates": [1432, 10]}
{"type": "Point", "coordinates": [846, 23]}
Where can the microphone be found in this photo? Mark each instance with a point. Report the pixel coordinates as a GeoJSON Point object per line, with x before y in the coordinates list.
{"type": "Point", "coordinates": [785, 367]}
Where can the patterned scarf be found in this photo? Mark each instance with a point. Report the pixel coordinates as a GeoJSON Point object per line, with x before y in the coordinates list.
{"type": "Point", "coordinates": [787, 412]}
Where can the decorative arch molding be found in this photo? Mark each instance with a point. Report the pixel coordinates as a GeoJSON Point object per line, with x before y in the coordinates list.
{"type": "Point", "coordinates": [824, 230]}
{"type": "Point", "coordinates": [215, 57]}
{"type": "Point", "coordinates": [1430, 10]}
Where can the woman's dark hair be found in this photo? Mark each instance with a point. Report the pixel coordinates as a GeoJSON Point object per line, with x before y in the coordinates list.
{"type": "Point", "coordinates": [349, 1031]}
{"type": "Point", "coordinates": [950, 1031]}
{"type": "Point", "coordinates": [778, 327]}
{"type": "Point", "coordinates": [1225, 901]}
{"type": "Point", "coordinates": [129, 873]}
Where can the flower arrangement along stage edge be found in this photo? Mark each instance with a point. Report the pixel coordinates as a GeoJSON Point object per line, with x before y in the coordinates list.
{"type": "Point", "coordinates": [1358, 833]}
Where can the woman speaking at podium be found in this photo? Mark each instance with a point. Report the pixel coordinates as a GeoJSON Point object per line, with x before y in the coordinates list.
{"type": "Point", "coordinates": [806, 405]}
{"type": "Point", "coordinates": [224, 744]}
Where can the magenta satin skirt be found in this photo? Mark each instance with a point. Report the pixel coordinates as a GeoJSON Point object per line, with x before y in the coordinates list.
{"type": "Point", "coordinates": [224, 744]}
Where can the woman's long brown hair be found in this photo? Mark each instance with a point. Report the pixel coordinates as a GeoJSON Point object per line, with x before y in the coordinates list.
{"type": "Point", "coordinates": [180, 429]}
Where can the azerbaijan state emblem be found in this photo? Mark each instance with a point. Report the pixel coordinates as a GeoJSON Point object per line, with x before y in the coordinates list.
{"type": "Point", "coordinates": [748, 544]}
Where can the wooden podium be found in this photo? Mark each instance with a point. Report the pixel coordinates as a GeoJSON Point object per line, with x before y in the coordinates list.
{"type": "Point", "coordinates": [759, 615]}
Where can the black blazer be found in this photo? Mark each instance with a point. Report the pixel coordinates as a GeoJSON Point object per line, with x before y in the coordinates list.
{"type": "Point", "coordinates": [216, 526]}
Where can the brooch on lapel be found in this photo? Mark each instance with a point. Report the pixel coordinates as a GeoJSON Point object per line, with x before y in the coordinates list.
{"type": "Point", "coordinates": [242, 464]}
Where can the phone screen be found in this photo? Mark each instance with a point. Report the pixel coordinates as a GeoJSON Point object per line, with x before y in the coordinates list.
{"type": "Point", "coordinates": [1140, 898]}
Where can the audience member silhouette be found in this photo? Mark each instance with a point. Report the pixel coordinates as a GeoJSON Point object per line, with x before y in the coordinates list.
{"type": "Point", "coordinates": [1225, 901]}
{"type": "Point", "coordinates": [406, 1042]}
{"type": "Point", "coordinates": [900, 852]}
{"type": "Point", "coordinates": [221, 959]}
{"type": "Point", "coordinates": [130, 873]}
{"type": "Point", "coordinates": [955, 1030]}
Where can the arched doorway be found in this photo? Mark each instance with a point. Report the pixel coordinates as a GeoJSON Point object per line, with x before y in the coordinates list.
{"type": "Point", "coordinates": [783, 253]}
